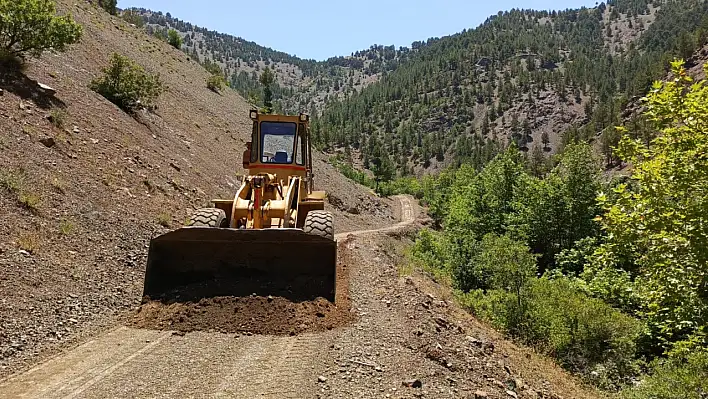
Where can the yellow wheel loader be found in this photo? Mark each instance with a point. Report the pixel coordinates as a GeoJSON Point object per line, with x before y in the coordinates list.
{"type": "Point", "coordinates": [272, 238]}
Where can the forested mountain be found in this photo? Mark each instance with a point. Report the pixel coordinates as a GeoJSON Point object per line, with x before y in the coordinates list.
{"type": "Point", "coordinates": [300, 84]}
{"type": "Point", "coordinates": [523, 76]}
{"type": "Point", "coordinates": [534, 79]}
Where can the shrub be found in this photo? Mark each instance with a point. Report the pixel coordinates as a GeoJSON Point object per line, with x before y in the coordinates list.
{"type": "Point", "coordinates": [164, 219]}
{"type": "Point", "coordinates": [429, 253]}
{"type": "Point", "coordinates": [174, 39]}
{"type": "Point", "coordinates": [216, 83]}
{"type": "Point", "coordinates": [402, 185]}
{"type": "Point", "coordinates": [29, 201]}
{"type": "Point", "coordinates": [127, 85]}
{"type": "Point", "coordinates": [66, 227]}
{"type": "Point", "coordinates": [679, 378]}
{"type": "Point", "coordinates": [109, 5]}
{"type": "Point", "coordinates": [133, 17]}
{"type": "Point", "coordinates": [584, 334]}
{"type": "Point", "coordinates": [29, 241]}
{"type": "Point", "coordinates": [29, 27]}
{"type": "Point", "coordinates": [57, 117]}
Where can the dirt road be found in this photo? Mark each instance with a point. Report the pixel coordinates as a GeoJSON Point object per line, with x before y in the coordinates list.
{"type": "Point", "coordinates": [139, 363]}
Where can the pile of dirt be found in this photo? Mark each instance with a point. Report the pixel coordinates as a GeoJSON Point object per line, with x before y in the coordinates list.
{"type": "Point", "coordinates": [284, 312]}
{"type": "Point", "coordinates": [254, 315]}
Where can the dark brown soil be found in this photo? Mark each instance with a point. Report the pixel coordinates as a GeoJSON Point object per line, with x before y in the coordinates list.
{"type": "Point", "coordinates": [282, 313]}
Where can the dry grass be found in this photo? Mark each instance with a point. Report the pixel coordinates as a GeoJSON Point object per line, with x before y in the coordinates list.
{"type": "Point", "coordinates": [29, 241]}
{"type": "Point", "coordinates": [15, 183]}
{"type": "Point", "coordinates": [59, 185]}
{"type": "Point", "coordinates": [165, 219]}
{"type": "Point", "coordinates": [29, 201]}
{"type": "Point", "coordinates": [58, 117]}
{"type": "Point", "coordinates": [66, 227]}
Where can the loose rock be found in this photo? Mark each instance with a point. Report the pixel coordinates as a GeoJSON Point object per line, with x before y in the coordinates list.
{"type": "Point", "coordinates": [47, 141]}
{"type": "Point", "coordinates": [413, 383]}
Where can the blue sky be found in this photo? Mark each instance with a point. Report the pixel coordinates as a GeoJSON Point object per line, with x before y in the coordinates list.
{"type": "Point", "coordinates": [321, 29]}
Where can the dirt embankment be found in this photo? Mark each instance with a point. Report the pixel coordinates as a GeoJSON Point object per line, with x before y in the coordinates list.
{"type": "Point", "coordinates": [84, 186]}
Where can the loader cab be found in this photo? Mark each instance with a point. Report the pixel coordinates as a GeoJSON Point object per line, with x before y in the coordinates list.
{"type": "Point", "coordinates": [280, 145]}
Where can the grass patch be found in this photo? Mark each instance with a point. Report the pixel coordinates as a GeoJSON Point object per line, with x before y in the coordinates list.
{"type": "Point", "coordinates": [30, 201]}
{"type": "Point", "coordinates": [11, 181]}
{"type": "Point", "coordinates": [66, 227]}
{"type": "Point", "coordinates": [15, 183]}
{"type": "Point", "coordinates": [164, 219]}
{"type": "Point", "coordinates": [57, 117]}
{"type": "Point", "coordinates": [29, 241]}
{"type": "Point", "coordinates": [59, 185]}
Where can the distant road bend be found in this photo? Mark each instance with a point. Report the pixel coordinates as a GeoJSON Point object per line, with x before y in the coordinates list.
{"type": "Point", "coordinates": [126, 362]}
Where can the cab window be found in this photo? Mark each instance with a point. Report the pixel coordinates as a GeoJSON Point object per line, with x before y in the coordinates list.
{"type": "Point", "coordinates": [299, 157]}
{"type": "Point", "coordinates": [277, 142]}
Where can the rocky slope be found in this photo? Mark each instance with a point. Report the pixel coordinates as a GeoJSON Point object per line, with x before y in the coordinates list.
{"type": "Point", "coordinates": [84, 186]}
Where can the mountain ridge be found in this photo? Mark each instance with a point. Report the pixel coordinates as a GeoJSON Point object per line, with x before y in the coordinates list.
{"type": "Point", "coordinates": [534, 79]}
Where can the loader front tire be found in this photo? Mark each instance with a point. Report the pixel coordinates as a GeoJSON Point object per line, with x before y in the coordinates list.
{"type": "Point", "coordinates": [208, 217]}
{"type": "Point", "coordinates": [319, 223]}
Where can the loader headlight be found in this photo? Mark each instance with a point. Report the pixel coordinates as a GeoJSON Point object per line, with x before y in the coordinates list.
{"type": "Point", "coordinates": [254, 114]}
{"type": "Point", "coordinates": [304, 117]}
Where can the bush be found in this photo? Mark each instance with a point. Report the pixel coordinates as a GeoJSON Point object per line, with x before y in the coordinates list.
{"type": "Point", "coordinates": [216, 83]}
{"type": "Point", "coordinates": [127, 85]}
{"type": "Point", "coordinates": [174, 39]}
{"type": "Point", "coordinates": [680, 378]}
{"type": "Point", "coordinates": [584, 334]}
{"type": "Point", "coordinates": [133, 17]}
{"type": "Point", "coordinates": [497, 262]}
{"type": "Point", "coordinates": [402, 185]}
{"type": "Point", "coordinates": [111, 6]}
{"type": "Point", "coordinates": [29, 27]}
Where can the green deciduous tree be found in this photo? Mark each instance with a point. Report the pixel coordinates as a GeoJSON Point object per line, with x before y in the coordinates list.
{"type": "Point", "coordinates": [657, 232]}
{"type": "Point", "coordinates": [29, 27]}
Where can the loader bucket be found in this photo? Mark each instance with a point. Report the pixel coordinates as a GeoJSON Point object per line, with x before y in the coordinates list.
{"type": "Point", "coordinates": [201, 262]}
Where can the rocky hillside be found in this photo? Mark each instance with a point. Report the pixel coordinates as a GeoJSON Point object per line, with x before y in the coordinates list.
{"type": "Point", "coordinates": [84, 186]}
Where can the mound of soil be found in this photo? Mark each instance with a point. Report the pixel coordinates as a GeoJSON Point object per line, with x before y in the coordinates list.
{"type": "Point", "coordinates": [256, 314]}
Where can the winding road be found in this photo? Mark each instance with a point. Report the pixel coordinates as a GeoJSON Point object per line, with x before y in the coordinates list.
{"type": "Point", "coordinates": [126, 362]}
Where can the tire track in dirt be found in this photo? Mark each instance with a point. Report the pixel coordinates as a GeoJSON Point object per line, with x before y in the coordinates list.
{"type": "Point", "coordinates": [136, 363]}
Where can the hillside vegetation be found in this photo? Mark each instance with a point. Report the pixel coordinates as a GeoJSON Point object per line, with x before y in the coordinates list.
{"type": "Point", "coordinates": [608, 276]}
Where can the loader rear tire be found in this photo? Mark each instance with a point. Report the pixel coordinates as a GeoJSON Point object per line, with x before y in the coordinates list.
{"type": "Point", "coordinates": [319, 223]}
{"type": "Point", "coordinates": [208, 217]}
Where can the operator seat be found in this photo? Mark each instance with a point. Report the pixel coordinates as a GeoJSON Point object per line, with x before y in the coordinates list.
{"type": "Point", "coordinates": [280, 157]}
